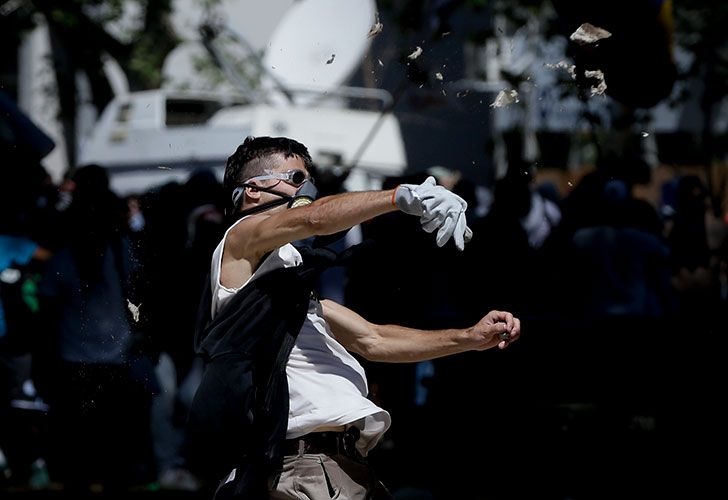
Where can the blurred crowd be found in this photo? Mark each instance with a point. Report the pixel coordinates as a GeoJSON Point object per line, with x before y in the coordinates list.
{"type": "Point", "coordinates": [622, 299]}
{"type": "Point", "coordinates": [100, 296]}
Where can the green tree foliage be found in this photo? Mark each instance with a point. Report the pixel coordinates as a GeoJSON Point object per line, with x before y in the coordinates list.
{"type": "Point", "coordinates": [81, 37]}
{"type": "Point", "coordinates": [80, 26]}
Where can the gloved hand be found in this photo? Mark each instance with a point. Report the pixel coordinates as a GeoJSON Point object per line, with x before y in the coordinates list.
{"type": "Point", "coordinates": [437, 208]}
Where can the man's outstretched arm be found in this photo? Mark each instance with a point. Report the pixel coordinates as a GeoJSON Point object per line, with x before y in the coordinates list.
{"type": "Point", "coordinates": [439, 211]}
{"type": "Point", "coordinates": [260, 234]}
{"type": "Point", "coordinates": [398, 344]}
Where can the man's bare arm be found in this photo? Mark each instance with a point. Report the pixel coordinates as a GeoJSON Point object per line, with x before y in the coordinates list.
{"type": "Point", "coordinates": [259, 234]}
{"type": "Point", "coordinates": [398, 344]}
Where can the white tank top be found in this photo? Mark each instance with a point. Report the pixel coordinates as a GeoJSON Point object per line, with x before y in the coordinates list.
{"type": "Point", "coordinates": [327, 386]}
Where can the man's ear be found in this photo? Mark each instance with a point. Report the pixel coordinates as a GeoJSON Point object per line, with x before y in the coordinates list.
{"type": "Point", "coordinates": [252, 193]}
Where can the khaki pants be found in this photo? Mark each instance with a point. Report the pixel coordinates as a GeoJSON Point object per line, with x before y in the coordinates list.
{"type": "Point", "coordinates": [323, 477]}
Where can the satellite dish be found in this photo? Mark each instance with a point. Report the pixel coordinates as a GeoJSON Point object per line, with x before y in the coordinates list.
{"type": "Point", "coordinates": [319, 43]}
{"type": "Point", "coordinates": [256, 19]}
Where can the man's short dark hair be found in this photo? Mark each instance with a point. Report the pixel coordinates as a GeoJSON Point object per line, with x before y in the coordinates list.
{"type": "Point", "coordinates": [241, 165]}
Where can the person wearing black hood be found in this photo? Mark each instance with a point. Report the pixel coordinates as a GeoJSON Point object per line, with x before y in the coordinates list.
{"type": "Point", "coordinates": [99, 400]}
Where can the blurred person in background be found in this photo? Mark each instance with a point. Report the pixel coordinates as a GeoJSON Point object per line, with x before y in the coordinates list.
{"type": "Point", "coordinates": [183, 224]}
{"type": "Point", "coordinates": [98, 379]}
{"type": "Point", "coordinates": [691, 258]}
{"type": "Point", "coordinates": [27, 194]}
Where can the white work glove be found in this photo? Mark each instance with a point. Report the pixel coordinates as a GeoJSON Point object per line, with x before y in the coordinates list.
{"type": "Point", "coordinates": [437, 208]}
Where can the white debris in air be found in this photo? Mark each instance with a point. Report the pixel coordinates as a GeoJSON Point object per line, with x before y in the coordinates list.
{"type": "Point", "coordinates": [505, 98]}
{"type": "Point", "coordinates": [438, 76]}
{"type": "Point", "coordinates": [380, 62]}
{"type": "Point", "coordinates": [599, 76]}
{"type": "Point", "coordinates": [588, 33]}
{"type": "Point", "coordinates": [134, 310]}
{"type": "Point", "coordinates": [416, 53]}
{"type": "Point", "coordinates": [162, 167]}
{"type": "Point", "coordinates": [571, 68]}
{"type": "Point", "coordinates": [645, 134]}
{"type": "Point", "coordinates": [376, 28]}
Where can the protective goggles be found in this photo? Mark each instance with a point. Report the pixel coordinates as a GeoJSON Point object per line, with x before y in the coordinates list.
{"type": "Point", "coordinates": [293, 177]}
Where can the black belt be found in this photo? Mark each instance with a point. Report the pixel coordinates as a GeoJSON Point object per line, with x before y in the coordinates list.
{"type": "Point", "coordinates": [328, 443]}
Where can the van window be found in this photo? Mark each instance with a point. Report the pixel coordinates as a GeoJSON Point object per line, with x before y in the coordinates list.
{"type": "Point", "coordinates": [123, 113]}
{"type": "Point", "coordinates": [190, 111]}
